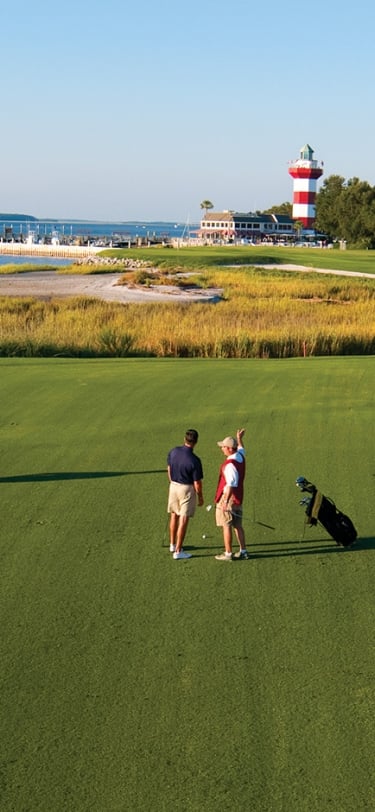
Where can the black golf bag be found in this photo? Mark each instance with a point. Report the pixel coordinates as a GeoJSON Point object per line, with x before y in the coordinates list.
{"type": "Point", "coordinates": [320, 508]}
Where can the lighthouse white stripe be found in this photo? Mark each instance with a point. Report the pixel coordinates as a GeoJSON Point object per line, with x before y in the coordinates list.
{"type": "Point", "coordinates": [301, 210]}
{"type": "Point", "coordinates": [304, 185]}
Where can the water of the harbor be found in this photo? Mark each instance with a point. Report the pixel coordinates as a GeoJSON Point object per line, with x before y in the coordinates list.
{"type": "Point", "coordinates": [93, 230]}
{"type": "Point", "coordinates": [10, 259]}
{"type": "Point", "coordinates": [87, 232]}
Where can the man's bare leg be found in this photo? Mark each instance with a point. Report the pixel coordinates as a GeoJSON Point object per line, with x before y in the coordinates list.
{"type": "Point", "coordinates": [181, 532]}
{"type": "Point", "coordinates": [173, 527]}
{"type": "Point", "coordinates": [227, 536]}
{"type": "Point", "coordinates": [240, 535]}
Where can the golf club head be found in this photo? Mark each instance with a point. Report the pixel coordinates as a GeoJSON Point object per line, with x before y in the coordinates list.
{"type": "Point", "coordinates": [304, 485]}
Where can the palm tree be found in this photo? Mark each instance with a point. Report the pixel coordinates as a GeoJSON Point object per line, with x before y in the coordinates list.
{"type": "Point", "coordinates": [298, 227]}
{"type": "Point", "coordinates": [206, 204]}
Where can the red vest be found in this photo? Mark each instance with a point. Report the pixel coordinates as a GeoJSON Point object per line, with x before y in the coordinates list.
{"type": "Point", "coordinates": [237, 493]}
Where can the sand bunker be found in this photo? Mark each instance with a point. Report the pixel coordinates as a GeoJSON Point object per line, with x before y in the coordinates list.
{"type": "Point", "coordinates": [53, 285]}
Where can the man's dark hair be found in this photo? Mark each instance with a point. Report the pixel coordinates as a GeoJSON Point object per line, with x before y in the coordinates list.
{"type": "Point", "coordinates": [191, 437]}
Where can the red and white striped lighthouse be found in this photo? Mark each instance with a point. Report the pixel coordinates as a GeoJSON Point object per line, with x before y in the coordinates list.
{"type": "Point", "coordinates": [305, 173]}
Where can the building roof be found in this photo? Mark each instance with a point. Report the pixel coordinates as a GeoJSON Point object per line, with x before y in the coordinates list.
{"type": "Point", "coordinates": [282, 218]}
{"type": "Point", "coordinates": [219, 215]}
{"type": "Point", "coordinates": [246, 217]}
{"type": "Point", "coordinates": [251, 218]}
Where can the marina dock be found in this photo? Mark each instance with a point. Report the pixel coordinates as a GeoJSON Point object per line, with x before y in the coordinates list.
{"type": "Point", "coordinates": [40, 250]}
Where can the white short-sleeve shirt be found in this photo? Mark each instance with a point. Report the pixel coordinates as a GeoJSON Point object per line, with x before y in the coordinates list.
{"type": "Point", "coordinates": [230, 471]}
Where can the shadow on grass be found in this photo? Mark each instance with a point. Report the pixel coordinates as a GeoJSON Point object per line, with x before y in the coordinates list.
{"type": "Point", "coordinates": [287, 549]}
{"type": "Point", "coordinates": [71, 475]}
{"type": "Point", "coordinates": [320, 546]}
{"type": "Point", "coordinates": [311, 547]}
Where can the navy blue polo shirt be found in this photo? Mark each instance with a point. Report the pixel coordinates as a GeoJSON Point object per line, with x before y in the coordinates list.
{"type": "Point", "coordinates": [185, 466]}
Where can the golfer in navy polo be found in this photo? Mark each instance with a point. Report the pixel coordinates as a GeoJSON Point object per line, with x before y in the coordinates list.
{"type": "Point", "coordinates": [185, 474]}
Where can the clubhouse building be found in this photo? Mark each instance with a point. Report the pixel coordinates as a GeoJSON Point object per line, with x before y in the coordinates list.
{"type": "Point", "coordinates": [233, 226]}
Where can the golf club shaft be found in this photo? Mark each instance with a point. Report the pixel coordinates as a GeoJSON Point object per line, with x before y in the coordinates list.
{"type": "Point", "coordinates": [263, 524]}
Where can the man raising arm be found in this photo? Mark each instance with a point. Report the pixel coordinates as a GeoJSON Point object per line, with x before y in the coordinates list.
{"type": "Point", "coordinates": [229, 495]}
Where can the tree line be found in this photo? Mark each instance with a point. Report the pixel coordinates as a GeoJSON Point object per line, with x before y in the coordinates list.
{"type": "Point", "coordinates": [345, 211]}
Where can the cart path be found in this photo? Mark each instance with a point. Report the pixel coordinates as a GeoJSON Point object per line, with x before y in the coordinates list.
{"type": "Point", "coordinates": [306, 269]}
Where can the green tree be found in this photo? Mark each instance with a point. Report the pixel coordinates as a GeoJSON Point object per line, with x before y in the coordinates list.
{"type": "Point", "coordinates": [346, 210]}
{"type": "Point", "coordinates": [357, 210]}
{"type": "Point", "coordinates": [328, 206]}
{"type": "Point", "coordinates": [206, 205]}
{"type": "Point", "coordinates": [298, 225]}
{"type": "Point", "coordinates": [285, 208]}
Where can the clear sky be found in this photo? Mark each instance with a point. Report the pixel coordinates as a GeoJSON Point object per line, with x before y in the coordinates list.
{"type": "Point", "coordinates": [122, 110]}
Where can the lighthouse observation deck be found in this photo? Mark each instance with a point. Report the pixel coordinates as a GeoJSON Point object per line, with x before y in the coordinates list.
{"type": "Point", "coordinates": [303, 164]}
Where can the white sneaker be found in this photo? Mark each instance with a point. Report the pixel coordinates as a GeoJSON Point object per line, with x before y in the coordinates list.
{"type": "Point", "coordinates": [172, 548]}
{"type": "Point", "coordinates": [181, 554]}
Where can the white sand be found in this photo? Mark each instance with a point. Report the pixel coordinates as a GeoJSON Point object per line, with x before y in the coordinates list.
{"type": "Point", "coordinates": [50, 284]}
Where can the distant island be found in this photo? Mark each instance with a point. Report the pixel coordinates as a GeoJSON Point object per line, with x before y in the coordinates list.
{"type": "Point", "coordinates": [17, 217]}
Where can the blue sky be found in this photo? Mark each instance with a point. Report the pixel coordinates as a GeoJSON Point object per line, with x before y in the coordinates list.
{"type": "Point", "coordinates": [120, 110]}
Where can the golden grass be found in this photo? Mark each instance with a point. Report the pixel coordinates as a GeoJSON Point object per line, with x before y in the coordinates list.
{"type": "Point", "coordinates": [261, 315]}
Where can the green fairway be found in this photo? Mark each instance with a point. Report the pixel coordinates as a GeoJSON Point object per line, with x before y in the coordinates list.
{"type": "Point", "coordinates": [130, 681]}
{"type": "Point", "coordinates": [215, 256]}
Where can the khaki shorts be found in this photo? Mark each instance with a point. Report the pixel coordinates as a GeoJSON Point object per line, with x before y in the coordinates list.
{"type": "Point", "coordinates": [232, 517]}
{"type": "Point", "coordinates": [182, 499]}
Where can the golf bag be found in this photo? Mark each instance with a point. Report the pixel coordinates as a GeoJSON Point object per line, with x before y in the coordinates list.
{"type": "Point", "coordinates": [320, 508]}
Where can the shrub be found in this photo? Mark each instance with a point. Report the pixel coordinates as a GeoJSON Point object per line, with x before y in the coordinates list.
{"type": "Point", "coordinates": [115, 344]}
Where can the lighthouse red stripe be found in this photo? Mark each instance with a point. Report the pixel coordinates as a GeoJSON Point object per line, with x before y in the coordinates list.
{"type": "Point", "coordinates": [304, 197]}
{"type": "Point", "coordinates": [303, 172]}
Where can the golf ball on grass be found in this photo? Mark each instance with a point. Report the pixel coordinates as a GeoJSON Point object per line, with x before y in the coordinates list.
{"type": "Point", "coordinates": [204, 536]}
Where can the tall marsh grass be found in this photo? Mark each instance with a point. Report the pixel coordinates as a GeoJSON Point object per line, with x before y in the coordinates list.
{"type": "Point", "coordinates": [261, 315]}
